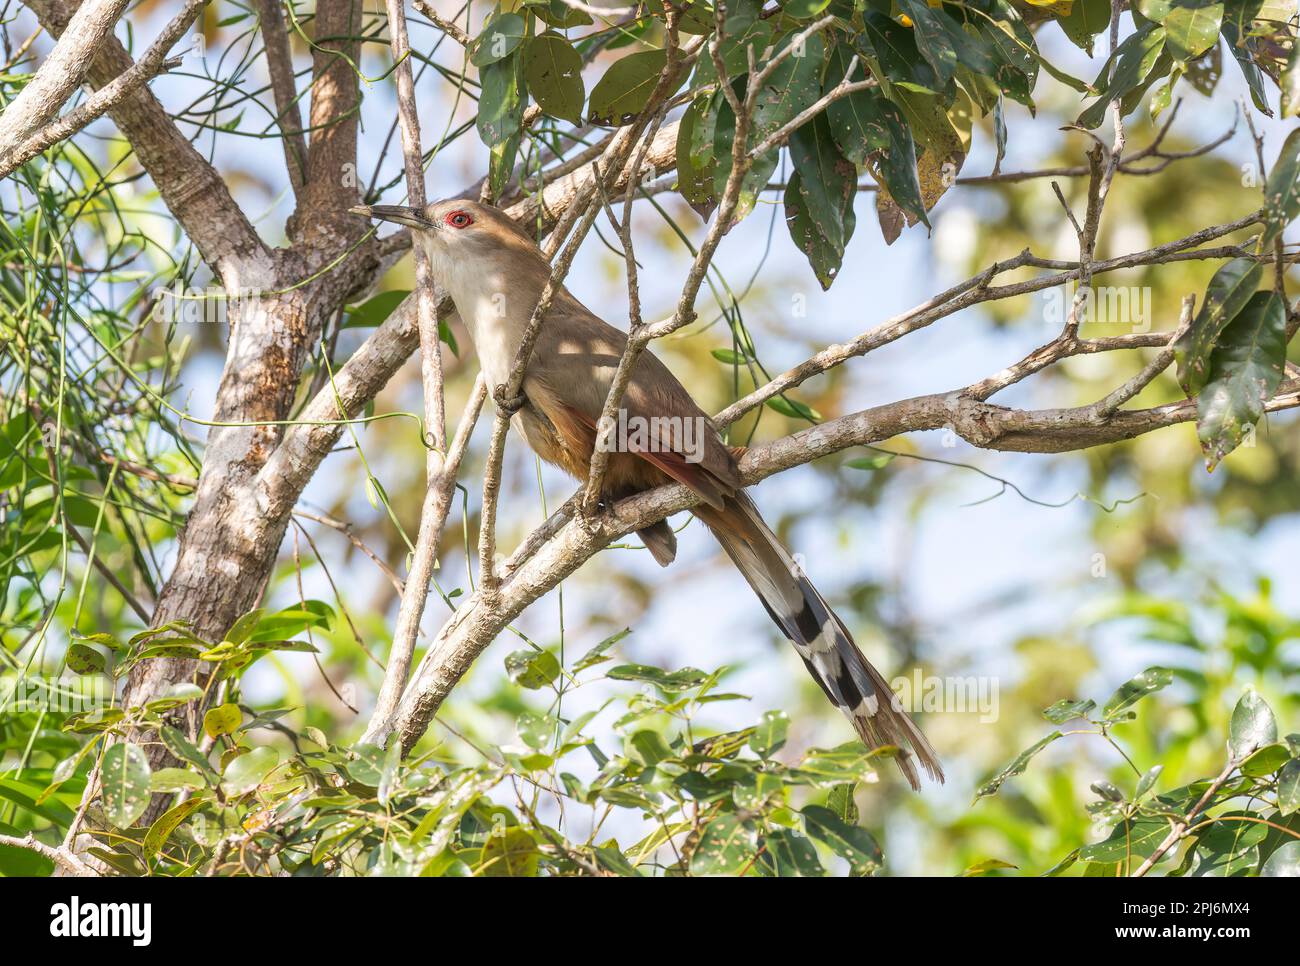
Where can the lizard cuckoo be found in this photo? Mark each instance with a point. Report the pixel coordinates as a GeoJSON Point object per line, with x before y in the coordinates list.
{"type": "Point", "coordinates": [495, 274]}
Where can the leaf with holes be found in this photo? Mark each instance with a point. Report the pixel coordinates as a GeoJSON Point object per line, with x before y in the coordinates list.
{"type": "Point", "coordinates": [1245, 369]}
{"type": "Point", "coordinates": [695, 172]}
{"type": "Point", "coordinates": [501, 36]}
{"type": "Point", "coordinates": [1086, 19]}
{"type": "Point", "coordinates": [625, 90]}
{"type": "Point", "coordinates": [1016, 767]}
{"type": "Point", "coordinates": [847, 841]}
{"type": "Point", "coordinates": [727, 847]}
{"type": "Point", "coordinates": [125, 778]}
{"type": "Point", "coordinates": [1290, 83]}
{"type": "Point", "coordinates": [1228, 292]}
{"type": "Point", "coordinates": [1135, 689]}
{"type": "Point", "coordinates": [500, 105]}
{"type": "Point", "coordinates": [1288, 787]}
{"type": "Point", "coordinates": [532, 669]}
{"type": "Point", "coordinates": [554, 73]}
{"type": "Point", "coordinates": [1282, 192]}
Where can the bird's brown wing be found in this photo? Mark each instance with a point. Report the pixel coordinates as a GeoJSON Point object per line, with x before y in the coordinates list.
{"type": "Point", "coordinates": [567, 381]}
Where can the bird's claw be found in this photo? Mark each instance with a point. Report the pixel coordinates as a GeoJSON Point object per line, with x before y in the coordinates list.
{"type": "Point", "coordinates": [507, 403]}
{"type": "Point", "coordinates": [585, 517]}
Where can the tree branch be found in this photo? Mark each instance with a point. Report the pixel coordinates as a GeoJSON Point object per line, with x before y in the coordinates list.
{"type": "Point", "coordinates": [144, 70]}
{"type": "Point", "coordinates": [279, 65]}
{"type": "Point", "coordinates": [61, 73]}
{"type": "Point", "coordinates": [194, 193]}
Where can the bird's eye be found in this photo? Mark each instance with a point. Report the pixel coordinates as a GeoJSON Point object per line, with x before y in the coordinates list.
{"type": "Point", "coordinates": [459, 219]}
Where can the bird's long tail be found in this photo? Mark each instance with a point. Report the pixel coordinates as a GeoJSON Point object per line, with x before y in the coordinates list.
{"type": "Point", "coordinates": [818, 634]}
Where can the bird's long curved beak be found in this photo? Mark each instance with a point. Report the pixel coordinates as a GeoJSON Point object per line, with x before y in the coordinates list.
{"type": "Point", "coordinates": [398, 214]}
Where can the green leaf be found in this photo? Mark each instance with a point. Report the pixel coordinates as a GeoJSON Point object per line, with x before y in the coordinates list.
{"type": "Point", "coordinates": [1086, 19]}
{"type": "Point", "coordinates": [1133, 61]}
{"type": "Point", "coordinates": [931, 34]}
{"type": "Point", "coordinates": [695, 177]}
{"type": "Point", "coordinates": [794, 86]}
{"type": "Point", "coordinates": [727, 847]}
{"type": "Point", "coordinates": [827, 185]}
{"type": "Point", "coordinates": [367, 764]}
{"type": "Point", "coordinates": [178, 694]}
{"type": "Point", "coordinates": [1148, 781]}
{"type": "Point", "coordinates": [1136, 688]}
{"type": "Point", "coordinates": [1288, 787]}
{"type": "Point", "coordinates": [501, 163]}
{"type": "Point", "coordinates": [744, 28]}
{"type": "Point", "coordinates": [987, 866]}
{"type": "Point", "coordinates": [840, 801]}
{"type": "Point", "coordinates": [793, 408]}
{"type": "Point", "coordinates": [374, 310]}
{"type": "Point", "coordinates": [1266, 760]}
{"type": "Point", "coordinates": [598, 654]}
{"type": "Point", "coordinates": [680, 680]}
{"type": "Point", "coordinates": [244, 627]}
{"type": "Point", "coordinates": [1228, 292]}
{"type": "Point", "coordinates": [222, 720]}
{"type": "Point", "coordinates": [1284, 862]}
{"type": "Point", "coordinates": [871, 463]}
{"type": "Point", "coordinates": [1128, 839]}
{"type": "Point", "coordinates": [893, 49]}
{"type": "Point", "coordinates": [648, 747]}
{"type": "Point", "coordinates": [1191, 26]}
{"type": "Point", "coordinates": [388, 773]}
{"type": "Point", "coordinates": [512, 852]}
{"type": "Point", "coordinates": [183, 748]}
{"type": "Point", "coordinates": [532, 669]}
{"type": "Point", "coordinates": [1282, 191]}
{"type": "Point", "coordinates": [770, 734]}
{"type": "Point", "coordinates": [1243, 51]}
{"type": "Point", "coordinates": [501, 104]}
{"type": "Point", "coordinates": [1290, 83]}
{"type": "Point", "coordinates": [804, 9]}
{"type": "Point", "coordinates": [125, 778]}
{"type": "Point", "coordinates": [83, 659]}
{"type": "Point", "coordinates": [175, 780]}
{"type": "Point", "coordinates": [1016, 767]}
{"type": "Point", "coordinates": [790, 853]}
{"type": "Point", "coordinates": [557, 13]}
{"type": "Point", "coordinates": [534, 729]}
{"type": "Point", "coordinates": [1252, 726]}
{"type": "Point", "coordinates": [625, 90]}
{"type": "Point", "coordinates": [847, 841]}
{"type": "Point", "coordinates": [822, 253]}
{"type": "Point", "coordinates": [1246, 367]}
{"type": "Point", "coordinates": [1067, 710]}
{"type": "Point", "coordinates": [247, 771]}
{"type": "Point", "coordinates": [554, 73]}
{"type": "Point", "coordinates": [500, 37]}
{"type": "Point", "coordinates": [167, 823]}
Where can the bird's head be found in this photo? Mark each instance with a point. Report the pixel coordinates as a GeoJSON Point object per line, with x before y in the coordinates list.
{"type": "Point", "coordinates": [459, 233]}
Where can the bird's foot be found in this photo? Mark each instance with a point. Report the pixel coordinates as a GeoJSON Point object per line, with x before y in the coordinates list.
{"type": "Point", "coordinates": [585, 516]}
{"type": "Point", "coordinates": [507, 403]}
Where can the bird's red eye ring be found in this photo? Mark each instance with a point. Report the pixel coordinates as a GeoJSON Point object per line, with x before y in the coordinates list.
{"type": "Point", "coordinates": [459, 219]}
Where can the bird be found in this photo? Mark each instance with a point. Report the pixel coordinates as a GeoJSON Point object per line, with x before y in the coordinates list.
{"type": "Point", "coordinates": [495, 274]}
